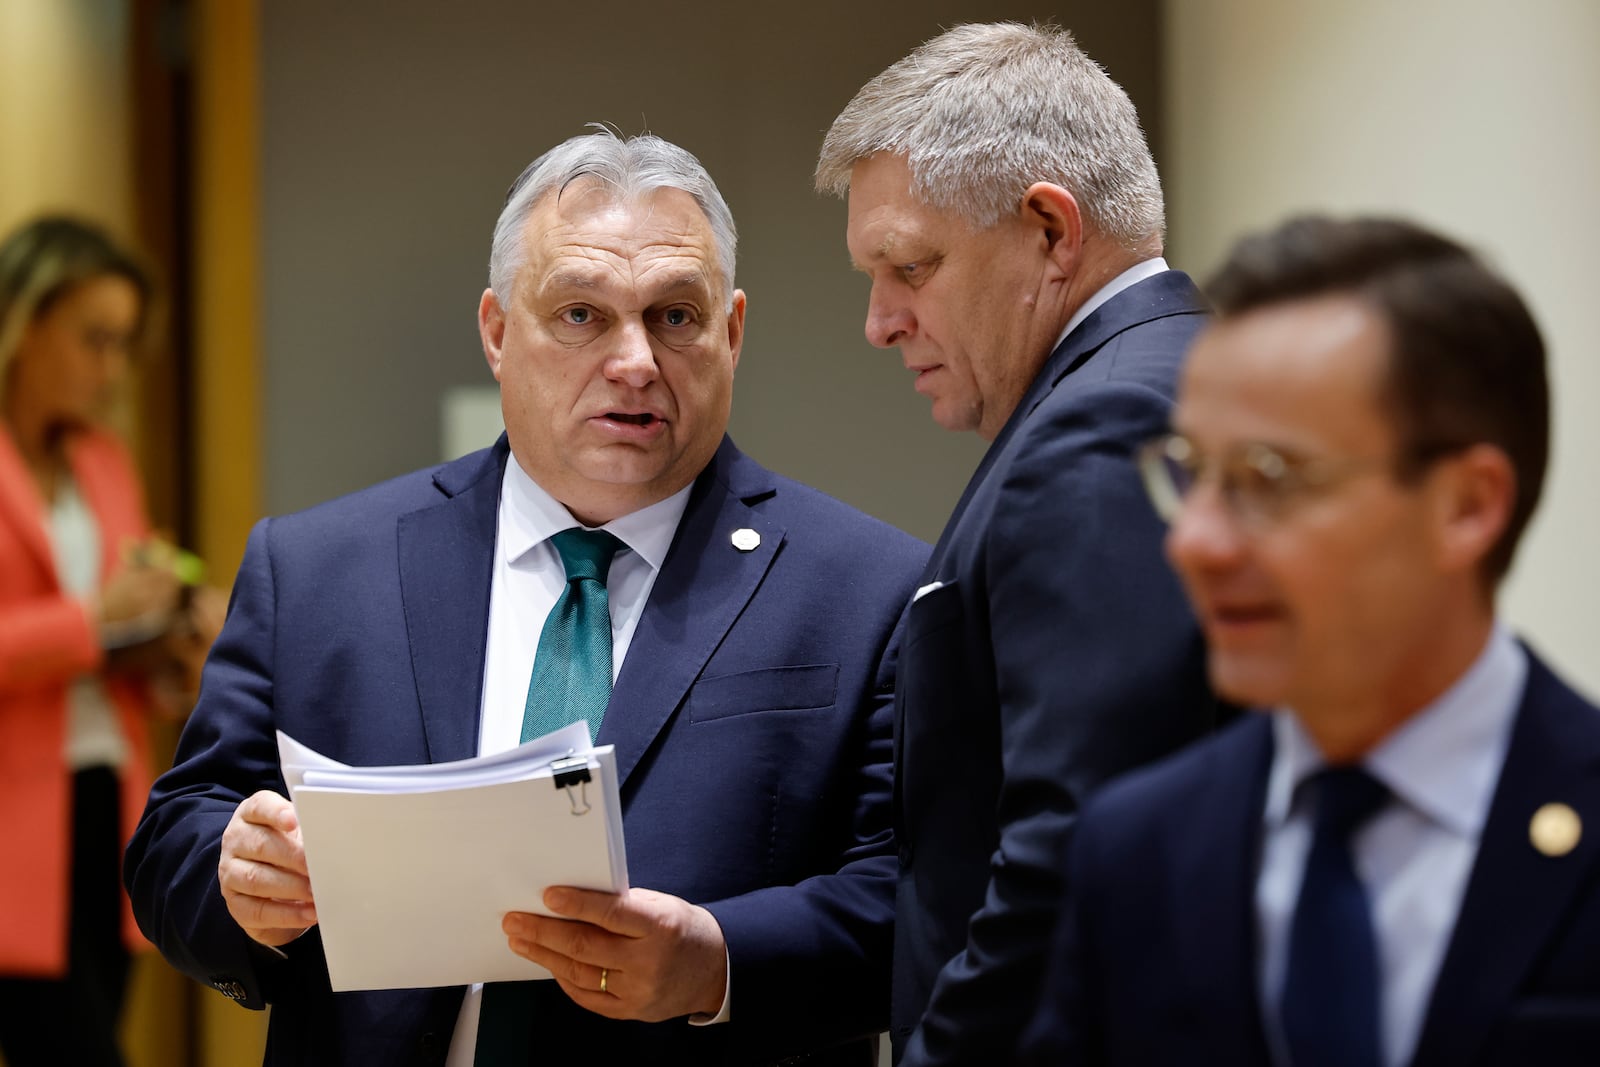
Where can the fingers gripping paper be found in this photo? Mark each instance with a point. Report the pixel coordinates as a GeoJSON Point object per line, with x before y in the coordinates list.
{"type": "Point", "coordinates": [412, 868]}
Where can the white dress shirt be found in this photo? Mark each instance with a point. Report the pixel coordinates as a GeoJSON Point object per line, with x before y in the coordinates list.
{"type": "Point", "coordinates": [94, 733]}
{"type": "Point", "coordinates": [1414, 856]}
{"type": "Point", "coordinates": [1132, 276]}
{"type": "Point", "coordinates": [528, 580]}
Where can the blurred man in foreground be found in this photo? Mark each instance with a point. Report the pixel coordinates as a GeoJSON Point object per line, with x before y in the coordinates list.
{"type": "Point", "coordinates": [1398, 864]}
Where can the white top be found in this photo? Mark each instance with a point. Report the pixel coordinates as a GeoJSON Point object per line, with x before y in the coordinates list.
{"type": "Point", "coordinates": [528, 580]}
{"type": "Point", "coordinates": [94, 736]}
{"type": "Point", "coordinates": [1414, 856]}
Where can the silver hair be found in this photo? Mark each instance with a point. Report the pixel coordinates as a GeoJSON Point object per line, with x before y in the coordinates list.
{"type": "Point", "coordinates": [631, 168]}
{"type": "Point", "coordinates": [983, 111]}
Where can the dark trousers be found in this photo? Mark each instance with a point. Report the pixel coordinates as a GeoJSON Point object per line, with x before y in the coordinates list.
{"type": "Point", "coordinates": [73, 1020]}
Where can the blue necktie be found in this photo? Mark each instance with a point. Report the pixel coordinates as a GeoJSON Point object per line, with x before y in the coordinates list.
{"type": "Point", "coordinates": [1330, 1000]}
{"type": "Point", "coordinates": [571, 680]}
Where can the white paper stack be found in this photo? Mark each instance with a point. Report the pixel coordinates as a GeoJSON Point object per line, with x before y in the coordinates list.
{"type": "Point", "coordinates": [413, 867]}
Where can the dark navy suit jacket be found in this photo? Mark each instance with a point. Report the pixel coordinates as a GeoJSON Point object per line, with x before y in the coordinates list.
{"type": "Point", "coordinates": [751, 719]}
{"type": "Point", "coordinates": [1058, 652]}
{"type": "Point", "coordinates": [1155, 959]}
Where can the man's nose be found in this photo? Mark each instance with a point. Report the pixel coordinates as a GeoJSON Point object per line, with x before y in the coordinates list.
{"type": "Point", "coordinates": [889, 322]}
{"type": "Point", "coordinates": [1205, 534]}
{"type": "Point", "coordinates": [633, 361]}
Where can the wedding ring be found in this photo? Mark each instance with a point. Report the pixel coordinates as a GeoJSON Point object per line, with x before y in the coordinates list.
{"type": "Point", "coordinates": [604, 974]}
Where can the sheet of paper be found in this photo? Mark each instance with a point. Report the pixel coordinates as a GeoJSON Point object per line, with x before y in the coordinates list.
{"type": "Point", "coordinates": [413, 868]}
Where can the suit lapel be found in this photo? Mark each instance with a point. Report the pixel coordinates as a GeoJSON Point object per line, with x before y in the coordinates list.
{"type": "Point", "coordinates": [1168, 293]}
{"type": "Point", "coordinates": [1220, 885]}
{"type": "Point", "coordinates": [446, 557]}
{"type": "Point", "coordinates": [1516, 896]}
{"type": "Point", "coordinates": [704, 585]}
{"type": "Point", "coordinates": [20, 500]}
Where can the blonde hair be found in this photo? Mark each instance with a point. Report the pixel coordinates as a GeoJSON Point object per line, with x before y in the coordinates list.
{"type": "Point", "coordinates": [43, 260]}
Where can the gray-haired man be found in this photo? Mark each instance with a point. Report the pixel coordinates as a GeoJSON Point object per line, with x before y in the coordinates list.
{"type": "Point", "coordinates": [751, 700]}
{"type": "Point", "coordinates": [1006, 209]}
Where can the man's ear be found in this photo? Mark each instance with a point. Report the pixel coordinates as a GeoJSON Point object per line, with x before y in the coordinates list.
{"type": "Point", "coordinates": [1477, 495]}
{"type": "Point", "coordinates": [1054, 215]}
{"type": "Point", "coordinates": [736, 325]}
{"type": "Point", "coordinates": [492, 329]}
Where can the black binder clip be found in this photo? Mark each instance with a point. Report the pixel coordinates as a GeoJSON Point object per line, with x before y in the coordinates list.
{"type": "Point", "coordinates": [569, 772]}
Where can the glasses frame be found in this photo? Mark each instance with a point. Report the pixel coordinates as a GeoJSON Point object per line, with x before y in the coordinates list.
{"type": "Point", "coordinates": [1286, 476]}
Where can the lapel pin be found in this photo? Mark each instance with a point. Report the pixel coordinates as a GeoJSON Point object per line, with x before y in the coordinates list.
{"type": "Point", "coordinates": [1555, 830]}
{"type": "Point", "coordinates": [746, 539]}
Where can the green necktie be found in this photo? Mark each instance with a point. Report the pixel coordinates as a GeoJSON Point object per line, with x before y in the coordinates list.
{"type": "Point", "coordinates": [572, 667]}
{"type": "Point", "coordinates": [571, 680]}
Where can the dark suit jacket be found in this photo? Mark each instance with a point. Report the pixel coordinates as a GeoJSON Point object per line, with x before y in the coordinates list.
{"type": "Point", "coordinates": [751, 718]}
{"type": "Point", "coordinates": [1058, 652]}
{"type": "Point", "coordinates": [1155, 958]}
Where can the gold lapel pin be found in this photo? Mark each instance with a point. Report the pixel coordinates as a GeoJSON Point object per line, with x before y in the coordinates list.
{"type": "Point", "coordinates": [1555, 830]}
{"type": "Point", "coordinates": [746, 539]}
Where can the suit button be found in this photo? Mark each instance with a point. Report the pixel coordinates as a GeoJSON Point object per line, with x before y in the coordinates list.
{"type": "Point", "coordinates": [229, 987]}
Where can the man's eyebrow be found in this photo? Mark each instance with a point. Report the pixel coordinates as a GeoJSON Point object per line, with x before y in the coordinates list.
{"type": "Point", "coordinates": [691, 279]}
{"type": "Point", "coordinates": [882, 251]}
{"type": "Point", "coordinates": [689, 284]}
{"type": "Point", "coordinates": [573, 279]}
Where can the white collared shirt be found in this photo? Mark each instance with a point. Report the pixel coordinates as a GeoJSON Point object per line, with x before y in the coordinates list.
{"type": "Point", "coordinates": [1414, 857]}
{"type": "Point", "coordinates": [527, 581]}
{"type": "Point", "coordinates": [1130, 277]}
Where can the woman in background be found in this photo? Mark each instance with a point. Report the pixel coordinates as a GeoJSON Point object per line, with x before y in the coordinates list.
{"type": "Point", "coordinates": [89, 606]}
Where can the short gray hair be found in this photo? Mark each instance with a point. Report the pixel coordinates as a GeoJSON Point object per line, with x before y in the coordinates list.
{"type": "Point", "coordinates": [631, 168]}
{"type": "Point", "coordinates": [981, 112]}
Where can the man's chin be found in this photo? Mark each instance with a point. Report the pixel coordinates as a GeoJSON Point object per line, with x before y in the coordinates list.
{"type": "Point", "coordinates": [1246, 681]}
{"type": "Point", "coordinates": [954, 417]}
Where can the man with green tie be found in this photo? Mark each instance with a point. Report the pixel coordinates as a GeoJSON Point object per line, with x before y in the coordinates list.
{"type": "Point", "coordinates": [614, 558]}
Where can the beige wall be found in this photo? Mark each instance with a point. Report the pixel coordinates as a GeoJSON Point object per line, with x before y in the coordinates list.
{"type": "Point", "coordinates": [391, 130]}
{"type": "Point", "coordinates": [64, 122]}
{"type": "Point", "coordinates": [1476, 116]}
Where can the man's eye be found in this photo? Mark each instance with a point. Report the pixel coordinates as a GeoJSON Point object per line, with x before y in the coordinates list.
{"type": "Point", "coordinates": [1267, 480]}
{"type": "Point", "coordinates": [1255, 483]}
{"type": "Point", "coordinates": [577, 316]}
{"type": "Point", "coordinates": [911, 270]}
{"type": "Point", "coordinates": [676, 317]}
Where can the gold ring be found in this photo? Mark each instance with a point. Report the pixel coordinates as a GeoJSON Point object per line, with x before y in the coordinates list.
{"type": "Point", "coordinates": [604, 974]}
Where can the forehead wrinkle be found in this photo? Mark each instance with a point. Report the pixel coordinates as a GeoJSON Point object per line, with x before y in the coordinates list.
{"type": "Point", "coordinates": [681, 281]}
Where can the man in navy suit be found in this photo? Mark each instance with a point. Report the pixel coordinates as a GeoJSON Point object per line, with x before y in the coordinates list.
{"type": "Point", "coordinates": [1005, 206]}
{"type": "Point", "coordinates": [1399, 864]}
{"type": "Point", "coordinates": [751, 621]}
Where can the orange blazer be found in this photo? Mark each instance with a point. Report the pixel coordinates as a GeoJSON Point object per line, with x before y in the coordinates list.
{"type": "Point", "coordinates": [47, 640]}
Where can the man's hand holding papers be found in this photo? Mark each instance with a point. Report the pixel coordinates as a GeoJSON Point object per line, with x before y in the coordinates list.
{"type": "Point", "coordinates": [661, 956]}
{"type": "Point", "coordinates": [485, 836]}
{"type": "Point", "coordinates": [263, 871]}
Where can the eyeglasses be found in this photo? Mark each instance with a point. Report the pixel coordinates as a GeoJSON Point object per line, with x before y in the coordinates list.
{"type": "Point", "coordinates": [1258, 483]}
